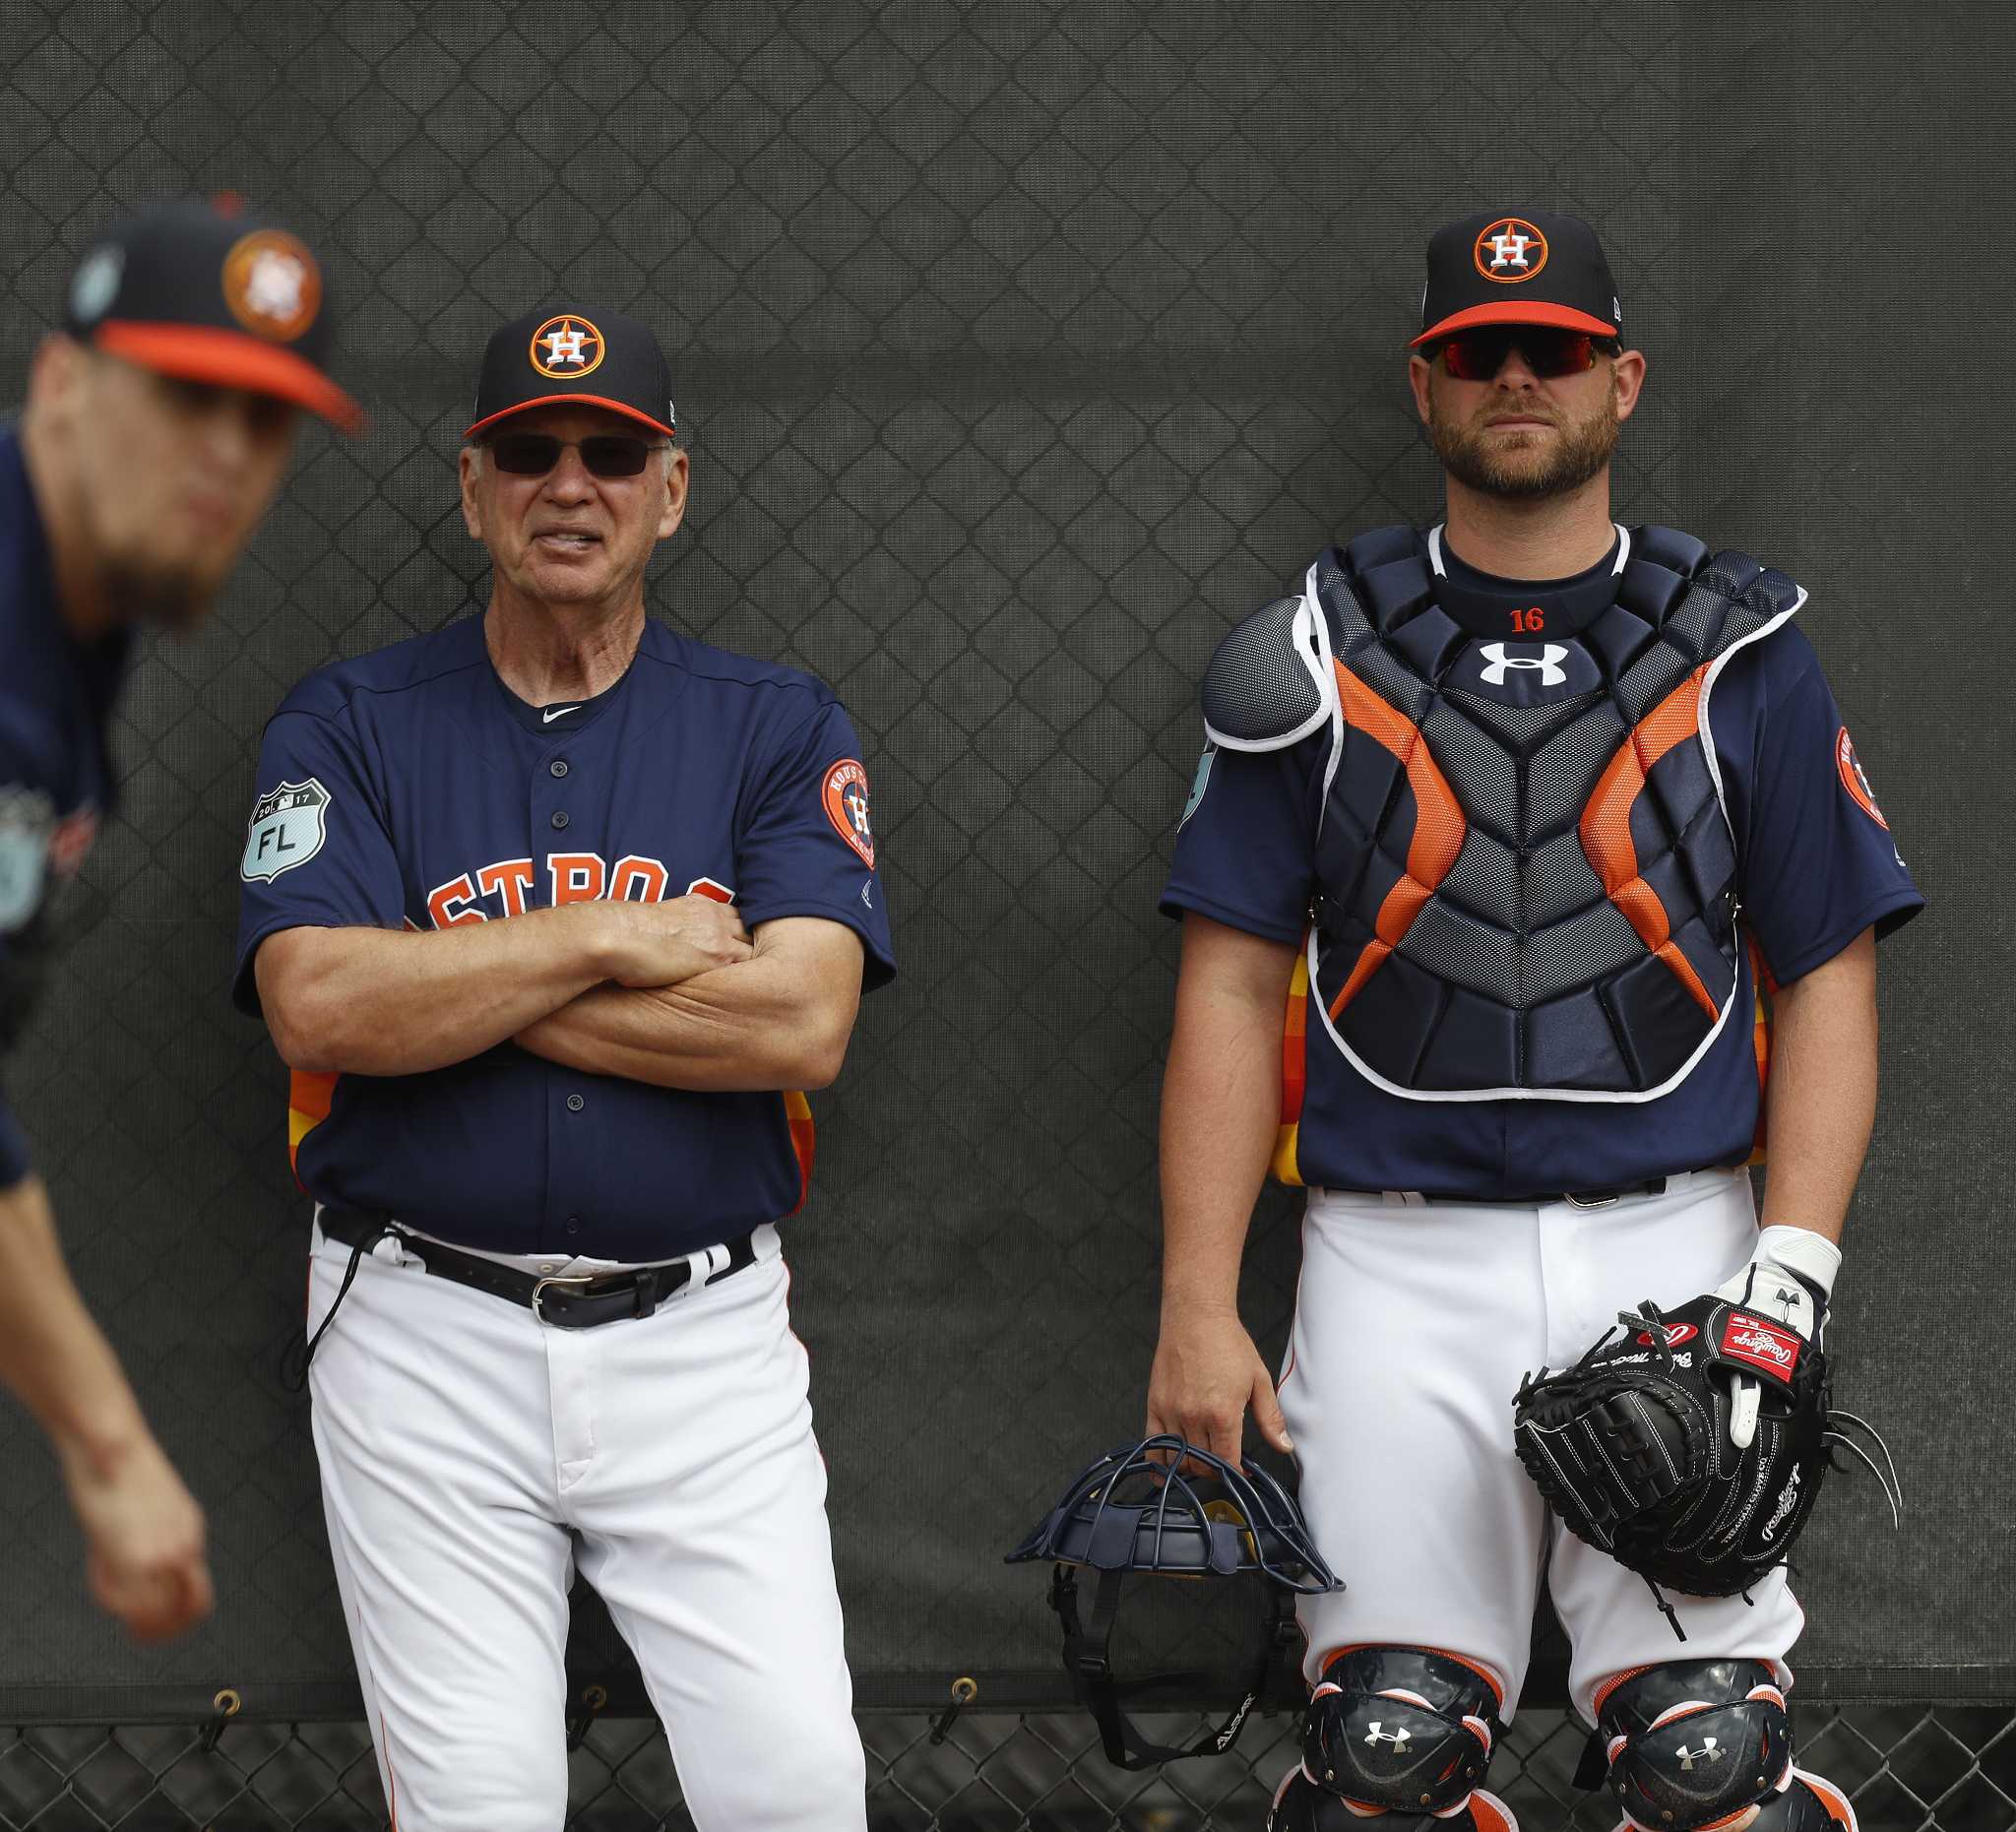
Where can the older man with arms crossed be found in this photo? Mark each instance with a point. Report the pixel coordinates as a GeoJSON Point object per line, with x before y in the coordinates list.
{"type": "Point", "coordinates": [552, 912]}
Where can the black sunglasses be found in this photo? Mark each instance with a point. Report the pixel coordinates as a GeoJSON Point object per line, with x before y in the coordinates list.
{"type": "Point", "coordinates": [1478, 356]}
{"type": "Point", "coordinates": [604, 454]}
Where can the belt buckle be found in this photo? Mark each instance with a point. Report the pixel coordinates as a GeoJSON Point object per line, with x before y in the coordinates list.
{"type": "Point", "coordinates": [580, 1278]}
{"type": "Point", "coordinates": [1589, 1202]}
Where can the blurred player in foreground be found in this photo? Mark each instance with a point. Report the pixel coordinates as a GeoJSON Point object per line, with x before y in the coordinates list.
{"type": "Point", "coordinates": [158, 427]}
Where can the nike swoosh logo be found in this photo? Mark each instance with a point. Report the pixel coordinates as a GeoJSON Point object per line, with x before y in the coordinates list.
{"type": "Point", "coordinates": [560, 712]}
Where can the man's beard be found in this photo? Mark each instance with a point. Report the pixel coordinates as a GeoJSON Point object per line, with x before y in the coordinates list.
{"type": "Point", "coordinates": [1467, 454]}
{"type": "Point", "coordinates": [174, 599]}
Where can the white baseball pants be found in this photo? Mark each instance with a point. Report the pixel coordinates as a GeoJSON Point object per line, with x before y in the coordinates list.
{"type": "Point", "coordinates": [468, 1450]}
{"type": "Point", "coordinates": [1414, 1322]}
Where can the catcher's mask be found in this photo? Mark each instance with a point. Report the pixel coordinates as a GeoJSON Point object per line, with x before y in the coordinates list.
{"type": "Point", "coordinates": [1128, 1512]}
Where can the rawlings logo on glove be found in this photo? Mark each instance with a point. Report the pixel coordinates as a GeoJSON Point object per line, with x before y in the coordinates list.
{"type": "Point", "coordinates": [1745, 1339]}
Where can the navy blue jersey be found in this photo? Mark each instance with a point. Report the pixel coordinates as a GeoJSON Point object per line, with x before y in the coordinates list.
{"type": "Point", "coordinates": [1817, 867]}
{"type": "Point", "coordinates": [55, 783]}
{"type": "Point", "coordinates": [410, 788]}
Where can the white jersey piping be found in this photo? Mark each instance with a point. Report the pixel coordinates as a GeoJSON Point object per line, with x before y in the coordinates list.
{"type": "Point", "coordinates": [1442, 572]}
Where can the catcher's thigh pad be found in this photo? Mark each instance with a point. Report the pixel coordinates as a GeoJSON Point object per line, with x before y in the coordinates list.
{"type": "Point", "coordinates": [1405, 1728]}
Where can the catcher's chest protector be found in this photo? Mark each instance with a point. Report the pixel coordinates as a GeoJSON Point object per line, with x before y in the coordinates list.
{"type": "Point", "coordinates": [1528, 881]}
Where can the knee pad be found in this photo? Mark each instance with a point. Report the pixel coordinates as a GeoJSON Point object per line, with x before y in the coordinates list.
{"type": "Point", "coordinates": [1300, 1805]}
{"type": "Point", "coordinates": [1694, 1744]}
{"type": "Point", "coordinates": [1403, 1729]}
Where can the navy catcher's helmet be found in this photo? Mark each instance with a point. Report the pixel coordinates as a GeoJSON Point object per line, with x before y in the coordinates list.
{"type": "Point", "coordinates": [1127, 1512]}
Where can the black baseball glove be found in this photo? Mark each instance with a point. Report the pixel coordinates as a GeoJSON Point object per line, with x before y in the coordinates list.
{"type": "Point", "coordinates": [1691, 1445]}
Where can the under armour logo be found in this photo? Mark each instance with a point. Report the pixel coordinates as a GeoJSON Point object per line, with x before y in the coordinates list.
{"type": "Point", "coordinates": [1708, 1752]}
{"type": "Point", "coordinates": [1374, 1734]}
{"type": "Point", "coordinates": [1551, 656]}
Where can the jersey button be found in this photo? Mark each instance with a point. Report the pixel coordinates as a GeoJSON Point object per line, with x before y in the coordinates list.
{"type": "Point", "coordinates": [558, 766]}
{"type": "Point", "coordinates": [574, 1224]}
{"type": "Point", "coordinates": [559, 817]}
{"type": "Point", "coordinates": [575, 1104]}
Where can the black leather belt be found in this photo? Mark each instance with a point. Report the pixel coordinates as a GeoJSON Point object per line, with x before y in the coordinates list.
{"type": "Point", "coordinates": [1575, 1198]}
{"type": "Point", "coordinates": [569, 1304]}
{"type": "Point", "coordinates": [573, 1303]}
{"type": "Point", "coordinates": [1602, 1198]}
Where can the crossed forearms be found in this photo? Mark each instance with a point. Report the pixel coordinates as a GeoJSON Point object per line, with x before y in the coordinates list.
{"type": "Point", "coordinates": [780, 1019]}
{"type": "Point", "coordinates": [673, 993]}
{"type": "Point", "coordinates": [369, 1001]}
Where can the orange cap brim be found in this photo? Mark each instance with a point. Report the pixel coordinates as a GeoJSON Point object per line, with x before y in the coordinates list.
{"type": "Point", "coordinates": [594, 401]}
{"type": "Point", "coordinates": [1565, 317]}
{"type": "Point", "coordinates": [210, 353]}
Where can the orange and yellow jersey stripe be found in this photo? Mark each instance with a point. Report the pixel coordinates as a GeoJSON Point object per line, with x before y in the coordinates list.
{"type": "Point", "coordinates": [1295, 1058]}
{"type": "Point", "coordinates": [308, 1099]}
{"type": "Point", "coordinates": [798, 1112]}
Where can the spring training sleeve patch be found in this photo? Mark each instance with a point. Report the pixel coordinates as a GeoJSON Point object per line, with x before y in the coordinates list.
{"type": "Point", "coordinates": [317, 853]}
{"type": "Point", "coordinates": [286, 829]}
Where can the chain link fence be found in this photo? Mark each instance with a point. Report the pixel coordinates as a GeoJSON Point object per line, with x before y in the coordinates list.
{"type": "Point", "coordinates": [1908, 1768]}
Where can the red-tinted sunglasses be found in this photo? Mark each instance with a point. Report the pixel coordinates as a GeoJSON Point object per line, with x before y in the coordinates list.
{"type": "Point", "coordinates": [1478, 356]}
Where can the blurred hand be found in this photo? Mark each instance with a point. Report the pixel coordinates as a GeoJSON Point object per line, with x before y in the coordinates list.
{"type": "Point", "coordinates": [1207, 1373]}
{"type": "Point", "coordinates": [143, 1537]}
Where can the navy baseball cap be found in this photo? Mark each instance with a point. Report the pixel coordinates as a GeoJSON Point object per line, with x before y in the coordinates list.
{"type": "Point", "coordinates": [201, 290]}
{"type": "Point", "coordinates": [599, 358]}
{"type": "Point", "coordinates": [1517, 268]}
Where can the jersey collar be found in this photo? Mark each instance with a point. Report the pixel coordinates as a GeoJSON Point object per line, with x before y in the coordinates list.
{"type": "Point", "coordinates": [562, 718]}
{"type": "Point", "coordinates": [1487, 605]}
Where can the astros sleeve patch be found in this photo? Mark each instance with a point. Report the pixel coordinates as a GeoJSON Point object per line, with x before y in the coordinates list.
{"type": "Point", "coordinates": [811, 787]}
{"type": "Point", "coordinates": [844, 793]}
{"type": "Point", "coordinates": [1854, 780]}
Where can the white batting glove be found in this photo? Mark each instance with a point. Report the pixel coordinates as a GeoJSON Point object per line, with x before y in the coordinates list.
{"type": "Point", "coordinates": [1787, 1280]}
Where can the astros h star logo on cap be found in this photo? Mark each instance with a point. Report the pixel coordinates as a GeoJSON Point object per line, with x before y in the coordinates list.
{"type": "Point", "coordinates": [272, 285]}
{"type": "Point", "coordinates": [566, 347]}
{"type": "Point", "coordinates": [1511, 249]}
